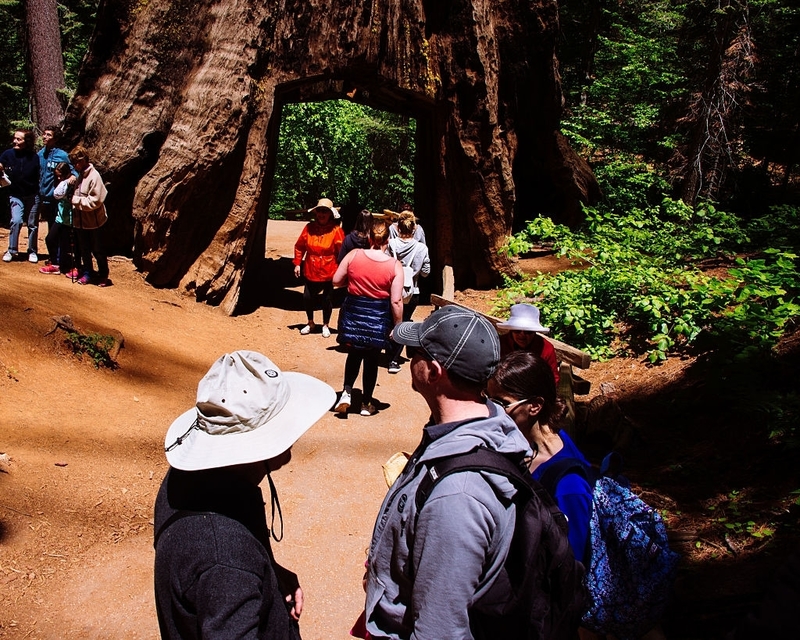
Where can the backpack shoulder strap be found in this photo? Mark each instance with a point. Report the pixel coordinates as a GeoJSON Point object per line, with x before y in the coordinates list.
{"type": "Point", "coordinates": [479, 459]}
{"type": "Point", "coordinates": [560, 468]}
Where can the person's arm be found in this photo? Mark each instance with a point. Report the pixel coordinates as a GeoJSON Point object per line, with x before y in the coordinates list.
{"type": "Point", "coordinates": [548, 354]}
{"type": "Point", "coordinates": [229, 601]}
{"type": "Point", "coordinates": [338, 241]}
{"type": "Point", "coordinates": [340, 277]}
{"type": "Point", "coordinates": [62, 190]}
{"type": "Point", "coordinates": [397, 292]}
{"type": "Point", "coordinates": [425, 269]}
{"type": "Point", "coordinates": [94, 195]}
{"type": "Point", "coordinates": [451, 545]}
{"type": "Point", "coordinates": [574, 498]}
{"type": "Point", "coordinates": [299, 250]}
{"type": "Point", "coordinates": [290, 587]}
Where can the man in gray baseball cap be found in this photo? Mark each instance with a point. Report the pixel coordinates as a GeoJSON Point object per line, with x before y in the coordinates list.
{"type": "Point", "coordinates": [428, 569]}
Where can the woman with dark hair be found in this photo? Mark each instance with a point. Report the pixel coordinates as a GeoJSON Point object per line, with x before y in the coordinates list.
{"type": "Point", "coordinates": [372, 307]}
{"type": "Point", "coordinates": [358, 238]}
{"type": "Point", "coordinates": [524, 386]}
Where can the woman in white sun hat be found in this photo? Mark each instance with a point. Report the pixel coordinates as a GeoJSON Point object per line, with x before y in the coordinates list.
{"type": "Point", "coordinates": [523, 329]}
{"type": "Point", "coordinates": [215, 575]}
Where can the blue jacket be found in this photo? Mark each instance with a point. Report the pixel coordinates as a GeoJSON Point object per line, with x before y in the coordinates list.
{"type": "Point", "coordinates": [22, 168]}
{"type": "Point", "coordinates": [573, 495]}
{"type": "Point", "coordinates": [48, 160]}
{"type": "Point", "coordinates": [460, 539]}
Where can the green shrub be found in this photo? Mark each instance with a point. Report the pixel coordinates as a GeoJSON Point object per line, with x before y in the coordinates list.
{"type": "Point", "coordinates": [95, 345]}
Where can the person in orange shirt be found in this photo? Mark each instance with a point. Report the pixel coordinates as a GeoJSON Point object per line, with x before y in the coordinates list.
{"type": "Point", "coordinates": [316, 250]}
{"type": "Point", "coordinates": [523, 328]}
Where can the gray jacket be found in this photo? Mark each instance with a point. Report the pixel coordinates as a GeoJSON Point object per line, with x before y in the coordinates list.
{"type": "Point", "coordinates": [411, 253]}
{"type": "Point", "coordinates": [459, 543]}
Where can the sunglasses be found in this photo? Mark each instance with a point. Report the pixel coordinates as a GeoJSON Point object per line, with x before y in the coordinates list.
{"type": "Point", "coordinates": [507, 405]}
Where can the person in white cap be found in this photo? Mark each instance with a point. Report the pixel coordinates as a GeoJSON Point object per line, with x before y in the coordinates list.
{"type": "Point", "coordinates": [317, 250]}
{"type": "Point", "coordinates": [215, 574]}
{"type": "Point", "coordinates": [523, 329]}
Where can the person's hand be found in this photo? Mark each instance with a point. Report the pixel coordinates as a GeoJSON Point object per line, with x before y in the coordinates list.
{"type": "Point", "coordinates": [297, 271]}
{"type": "Point", "coordinates": [296, 600]}
{"type": "Point", "coordinates": [72, 180]}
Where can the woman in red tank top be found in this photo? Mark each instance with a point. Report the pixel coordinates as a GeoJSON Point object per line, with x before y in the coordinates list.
{"type": "Point", "coordinates": [371, 309]}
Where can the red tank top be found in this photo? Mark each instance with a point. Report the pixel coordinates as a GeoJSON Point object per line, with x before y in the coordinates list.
{"type": "Point", "coordinates": [370, 278]}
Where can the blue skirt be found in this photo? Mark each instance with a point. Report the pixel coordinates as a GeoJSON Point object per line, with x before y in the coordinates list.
{"type": "Point", "coordinates": [364, 322]}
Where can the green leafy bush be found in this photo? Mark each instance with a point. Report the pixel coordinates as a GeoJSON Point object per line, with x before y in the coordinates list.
{"type": "Point", "coordinates": [639, 288]}
{"type": "Point", "coordinates": [95, 345]}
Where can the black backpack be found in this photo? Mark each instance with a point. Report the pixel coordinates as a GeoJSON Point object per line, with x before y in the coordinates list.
{"type": "Point", "coordinates": [539, 594]}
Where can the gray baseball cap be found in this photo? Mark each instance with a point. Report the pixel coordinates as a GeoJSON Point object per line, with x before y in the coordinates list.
{"type": "Point", "coordinates": [462, 341]}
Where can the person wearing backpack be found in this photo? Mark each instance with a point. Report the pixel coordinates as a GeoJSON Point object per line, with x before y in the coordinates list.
{"type": "Point", "coordinates": [620, 539]}
{"type": "Point", "coordinates": [524, 385]}
{"type": "Point", "coordinates": [414, 256]}
{"type": "Point", "coordinates": [430, 569]}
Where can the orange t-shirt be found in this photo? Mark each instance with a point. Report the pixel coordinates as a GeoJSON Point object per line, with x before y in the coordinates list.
{"type": "Point", "coordinates": [320, 245]}
{"type": "Point", "coordinates": [370, 278]}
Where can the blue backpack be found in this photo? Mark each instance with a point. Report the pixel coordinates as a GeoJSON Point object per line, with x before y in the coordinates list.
{"type": "Point", "coordinates": [630, 568]}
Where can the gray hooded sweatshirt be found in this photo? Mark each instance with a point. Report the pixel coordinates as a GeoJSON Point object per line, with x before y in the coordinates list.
{"type": "Point", "coordinates": [460, 540]}
{"type": "Point", "coordinates": [414, 254]}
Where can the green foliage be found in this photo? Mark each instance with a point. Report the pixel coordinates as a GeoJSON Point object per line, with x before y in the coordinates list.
{"type": "Point", "coordinates": [95, 345]}
{"type": "Point", "coordinates": [638, 287]}
{"type": "Point", "coordinates": [346, 152]}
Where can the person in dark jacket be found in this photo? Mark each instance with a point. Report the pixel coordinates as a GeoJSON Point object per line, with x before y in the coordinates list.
{"type": "Point", "coordinates": [215, 573]}
{"type": "Point", "coordinates": [358, 238]}
{"type": "Point", "coordinates": [21, 166]}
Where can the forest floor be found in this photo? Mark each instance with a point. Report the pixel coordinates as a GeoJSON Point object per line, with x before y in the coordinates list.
{"type": "Point", "coordinates": [81, 454]}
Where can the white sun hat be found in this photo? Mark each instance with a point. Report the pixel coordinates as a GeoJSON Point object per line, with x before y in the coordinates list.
{"type": "Point", "coordinates": [324, 203]}
{"type": "Point", "coordinates": [524, 317]}
{"type": "Point", "coordinates": [247, 410]}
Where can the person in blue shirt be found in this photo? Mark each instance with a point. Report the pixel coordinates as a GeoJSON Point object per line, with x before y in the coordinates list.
{"type": "Point", "coordinates": [50, 156]}
{"type": "Point", "coordinates": [524, 386]}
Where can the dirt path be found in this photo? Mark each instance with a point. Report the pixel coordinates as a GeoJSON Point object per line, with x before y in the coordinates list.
{"type": "Point", "coordinates": [86, 455]}
{"type": "Point", "coordinates": [87, 459]}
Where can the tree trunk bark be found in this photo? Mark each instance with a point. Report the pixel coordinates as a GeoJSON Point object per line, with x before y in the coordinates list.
{"type": "Point", "coordinates": [179, 104]}
{"type": "Point", "coordinates": [47, 64]}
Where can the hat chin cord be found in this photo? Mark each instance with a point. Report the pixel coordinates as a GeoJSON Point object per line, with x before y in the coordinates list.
{"type": "Point", "coordinates": [275, 506]}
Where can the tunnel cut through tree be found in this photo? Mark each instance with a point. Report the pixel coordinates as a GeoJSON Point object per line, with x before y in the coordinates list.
{"type": "Point", "coordinates": [180, 115]}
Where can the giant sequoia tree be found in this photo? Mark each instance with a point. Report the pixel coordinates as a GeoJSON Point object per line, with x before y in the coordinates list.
{"type": "Point", "coordinates": [179, 102]}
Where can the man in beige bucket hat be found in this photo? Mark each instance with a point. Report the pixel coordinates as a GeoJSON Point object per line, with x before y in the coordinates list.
{"type": "Point", "coordinates": [215, 575]}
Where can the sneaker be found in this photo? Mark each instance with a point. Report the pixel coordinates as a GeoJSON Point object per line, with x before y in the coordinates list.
{"type": "Point", "coordinates": [368, 409]}
{"type": "Point", "coordinates": [326, 333]}
{"type": "Point", "coordinates": [103, 282]}
{"type": "Point", "coordinates": [306, 330]}
{"type": "Point", "coordinates": [8, 256]}
{"type": "Point", "coordinates": [74, 274]}
{"type": "Point", "coordinates": [32, 257]}
{"type": "Point", "coordinates": [85, 280]}
{"type": "Point", "coordinates": [50, 269]}
{"type": "Point", "coordinates": [343, 404]}
{"type": "Point", "coordinates": [394, 367]}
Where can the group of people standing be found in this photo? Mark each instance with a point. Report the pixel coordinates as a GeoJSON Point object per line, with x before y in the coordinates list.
{"type": "Point", "coordinates": [379, 264]}
{"type": "Point", "coordinates": [65, 191]}
{"type": "Point", "coordinates": [430, 567]}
